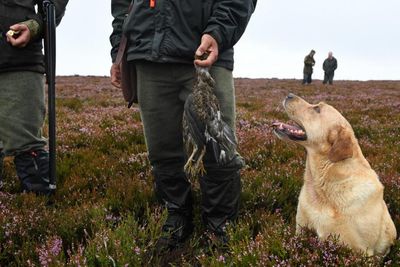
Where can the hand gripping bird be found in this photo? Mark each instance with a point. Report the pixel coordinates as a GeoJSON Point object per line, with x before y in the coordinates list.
{"type": "Point", "coordinates": [203, 126]}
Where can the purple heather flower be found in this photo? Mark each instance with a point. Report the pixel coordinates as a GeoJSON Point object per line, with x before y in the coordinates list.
{"type": "Point", "coordinates": [221, 258]}
{"type": "Point", "coordinates": [137, 250]}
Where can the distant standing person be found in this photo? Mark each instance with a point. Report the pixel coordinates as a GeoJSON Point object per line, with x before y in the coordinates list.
{"type": "Point", "coordinates": [329, 66]}
{"type": "Point", "coordinates": [309, 62]}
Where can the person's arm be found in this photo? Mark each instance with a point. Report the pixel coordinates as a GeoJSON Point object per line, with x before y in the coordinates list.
{"type": "Point", "coordinates": [225, 27]}
{"type": "Point", "coordinates": [59, 5]}
{"type": "Point", "coordinates": [32, 29]}
{"type": "Point", "coordinates": [308, 61]}
{"type": "Point", "coordinates": [229, 20]}
{"type": "Point", "coordinates": [335, 66]}
{"type": "Point", "coordinates": [119, 10]}
{"type": "Point", "coordinates": [324, 66]}
{"type": "Point", "coordinates": [21, 34]}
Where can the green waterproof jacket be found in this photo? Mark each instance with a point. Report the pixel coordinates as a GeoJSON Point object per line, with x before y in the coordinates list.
{"type": "Point", "coordinates": [171, 30]}
{"type": "Point", "coordinates": [309, 62]}
{"type": "Point", "coordinates": [29, 58]}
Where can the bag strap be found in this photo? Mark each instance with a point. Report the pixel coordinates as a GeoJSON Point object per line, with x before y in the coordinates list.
{"type": "Point", "coordinates": [123, 43]}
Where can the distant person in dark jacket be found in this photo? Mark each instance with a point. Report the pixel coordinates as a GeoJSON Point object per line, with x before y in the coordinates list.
{"type": "Point", "coordinates": [309, 62]}
{"type": "Point", "coordinates": [22, 92]}
{"type": "Point", "coordinates": [164, 37]}
{"type": "Point", "coordinates": [329, 66]}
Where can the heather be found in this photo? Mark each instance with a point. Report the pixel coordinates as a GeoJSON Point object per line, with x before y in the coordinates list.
{"type": "Point", "coordinates": [105, 212]}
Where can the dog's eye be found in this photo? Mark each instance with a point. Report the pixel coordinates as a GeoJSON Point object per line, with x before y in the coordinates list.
{"type": "Point", "coordinates": [317, 109]}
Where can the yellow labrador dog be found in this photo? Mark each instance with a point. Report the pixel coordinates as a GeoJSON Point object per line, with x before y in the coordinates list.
{"type": "Point", "coordinates": [341, 194]}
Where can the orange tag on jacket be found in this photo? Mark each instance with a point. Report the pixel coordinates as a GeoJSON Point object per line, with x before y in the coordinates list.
{"type": "Point", "coordinates": [152, 3]}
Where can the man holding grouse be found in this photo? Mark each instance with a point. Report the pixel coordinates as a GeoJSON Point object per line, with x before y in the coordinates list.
{"type": "Point", "coordinates": [163, 39]}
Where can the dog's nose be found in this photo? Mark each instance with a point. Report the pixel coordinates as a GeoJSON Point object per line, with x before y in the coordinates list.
{"type": "Point", "coordinates": [290, 96]}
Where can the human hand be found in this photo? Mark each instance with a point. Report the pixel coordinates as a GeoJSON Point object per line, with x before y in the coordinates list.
{"type": "Point", "coordinates": [115, 73]}
{"type": "Point", "coordinates": [210, 46]}
{"type": "Point", "coordinates": [21, 36]}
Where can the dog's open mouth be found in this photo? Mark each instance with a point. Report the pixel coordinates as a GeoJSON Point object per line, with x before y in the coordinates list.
{"type": "Point", "coordinates": [294, 132]}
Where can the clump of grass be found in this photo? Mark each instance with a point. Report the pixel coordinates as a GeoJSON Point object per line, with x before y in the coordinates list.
{"type": "Point", "coordinates": [74, 104]}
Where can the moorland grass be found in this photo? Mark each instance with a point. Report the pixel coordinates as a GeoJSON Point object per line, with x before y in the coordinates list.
{"type": "Point", "coordinates": [105, 212]}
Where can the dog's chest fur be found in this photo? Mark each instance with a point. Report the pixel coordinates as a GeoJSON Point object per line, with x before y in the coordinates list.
{"type": "Point", "coordinates": [329, 201]}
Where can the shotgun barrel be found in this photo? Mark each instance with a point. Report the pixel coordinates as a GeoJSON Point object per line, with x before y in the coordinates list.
{"type": "Point", "coordinates": [50, 56]}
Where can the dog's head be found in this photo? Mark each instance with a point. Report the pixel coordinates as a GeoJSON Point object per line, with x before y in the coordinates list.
{"type": "Point", "coordinates": [320, 128]}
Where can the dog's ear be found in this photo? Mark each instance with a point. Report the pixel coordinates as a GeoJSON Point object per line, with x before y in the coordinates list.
{"type": "Point", "coordinates": [342, 145]}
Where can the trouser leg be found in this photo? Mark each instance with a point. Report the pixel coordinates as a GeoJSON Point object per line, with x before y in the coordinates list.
{"type": "Point", "coordinates": [326, 78]}
{"type": "Point", "coordinates": [162, 89]}
{"type": "Point", "coordinates": [221, 189]}
{"type": "Point", "coordinates": [309, 79]}
{"type": "Point", "coordinates": [22, 113]}
{"type": "Point", "coordinates": [331, 77]}
{"type": "Point", "coordinates": [174, 191]}
{"type": "Point", "coordinates": [305, 78]}
{"type": "Point", "coordinates": [220, 186]}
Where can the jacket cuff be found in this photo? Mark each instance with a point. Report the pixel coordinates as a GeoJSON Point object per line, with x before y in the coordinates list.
{"type": "Point", "coordinates": [34, 28]}
{"type": "Point", "coordinates": [216, 35]}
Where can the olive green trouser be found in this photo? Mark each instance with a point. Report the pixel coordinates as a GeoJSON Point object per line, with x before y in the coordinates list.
{"type": "Point", "coordinates": [162, 90]}
{"type": "Point", "coordinates": [22, 111]}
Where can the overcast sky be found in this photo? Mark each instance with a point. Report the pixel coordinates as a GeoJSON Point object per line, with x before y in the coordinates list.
{"type": "Point", "coordinates": [364, 36]}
